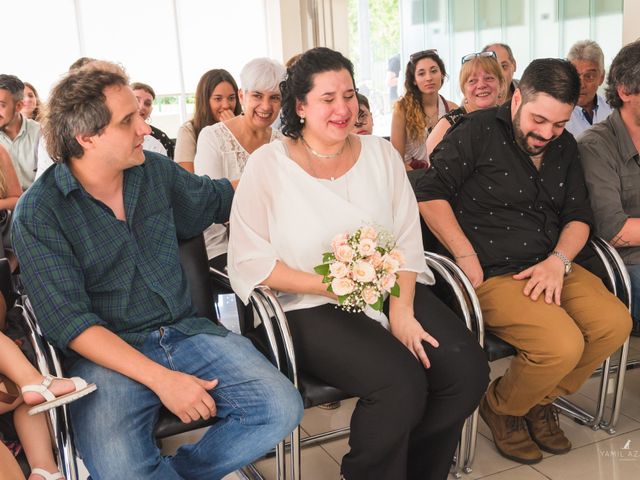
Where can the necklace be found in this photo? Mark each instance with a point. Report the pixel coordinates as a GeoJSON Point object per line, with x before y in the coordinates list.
{"type": "Point", "coordinates": [322, 155]}
{"type": "Point", "coordinates": [310, 162]}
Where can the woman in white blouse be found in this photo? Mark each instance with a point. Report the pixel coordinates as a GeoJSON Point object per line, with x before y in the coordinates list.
{"type": "Point", "coordinates": [419, 374]}
{"type": "Point", "coordinates": [224, 147]}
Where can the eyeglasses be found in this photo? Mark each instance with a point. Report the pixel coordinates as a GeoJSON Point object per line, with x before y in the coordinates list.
{"type": "Point", "coordinates": [471, 56]}
{"type": "Point", "coordinates": [414, 57]}
{"type": "Point", "coordinates": [363, 118]}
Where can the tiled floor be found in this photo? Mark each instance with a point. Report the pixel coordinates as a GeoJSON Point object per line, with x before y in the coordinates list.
{"type": "Point", "coordinates": [596, 454]}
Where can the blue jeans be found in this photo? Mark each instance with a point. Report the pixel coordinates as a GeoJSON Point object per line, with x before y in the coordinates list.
{"type": "Point", "coordinates": [634, 275]}
{"type": "Point", "coordinates": [257, 407]}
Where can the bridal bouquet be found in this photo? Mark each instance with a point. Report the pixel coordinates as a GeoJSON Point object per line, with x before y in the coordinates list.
{"type": "Point", "coordinates": [361, 267]}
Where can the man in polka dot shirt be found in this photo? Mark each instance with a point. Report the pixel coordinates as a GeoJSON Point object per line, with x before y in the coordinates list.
{"type": "Point", "coordinates": [506, 197]}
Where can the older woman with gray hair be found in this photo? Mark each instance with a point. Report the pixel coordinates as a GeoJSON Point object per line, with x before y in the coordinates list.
{"type": "Point", "coordinates": [587, 57]}
{"type": "Point", "coordinates": [223, 148]}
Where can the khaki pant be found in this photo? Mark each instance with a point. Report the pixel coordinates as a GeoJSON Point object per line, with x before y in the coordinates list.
{"type": "Point", "coordinates": [558, 347]}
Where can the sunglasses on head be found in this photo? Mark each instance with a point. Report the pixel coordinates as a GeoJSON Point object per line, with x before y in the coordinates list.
{"type": "Point", "coordinates": [471, 56]}
{"type": "Point", "coordinates": [414, 57]}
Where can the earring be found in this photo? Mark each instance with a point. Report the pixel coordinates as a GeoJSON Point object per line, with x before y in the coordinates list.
{"type": "Point", "coordinates": [302, 120]}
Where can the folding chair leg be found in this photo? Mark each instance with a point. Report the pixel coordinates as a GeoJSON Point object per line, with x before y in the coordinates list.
{"type": "Point", "coordinates": [296, 474]}
{"type": "Point", "coordinates": [610, 425]}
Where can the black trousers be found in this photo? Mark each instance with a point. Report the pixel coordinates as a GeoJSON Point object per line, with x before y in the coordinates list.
{"type": "Point", "coordinates": [408, 419]}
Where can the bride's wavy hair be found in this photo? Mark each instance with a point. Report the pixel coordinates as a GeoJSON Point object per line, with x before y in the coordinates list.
{"type": "Point", "coordinates": [299, 82]}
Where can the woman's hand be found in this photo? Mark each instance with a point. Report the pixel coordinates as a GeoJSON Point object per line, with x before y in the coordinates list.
{"type": "Point", "coordinates": [408, 330]}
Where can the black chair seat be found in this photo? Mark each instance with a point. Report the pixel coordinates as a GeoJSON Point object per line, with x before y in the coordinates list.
{"type": "Point", "coordinates": [315, 392]}
{"type": "Point", "coordinates": [496, 348]}
{"type": "Point", "coordinates": [168, 424]}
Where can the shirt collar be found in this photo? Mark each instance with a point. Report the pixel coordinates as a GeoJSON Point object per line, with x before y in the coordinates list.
{"type": "Point", "coordinates": [65, 180]}
{"type": "Point", "coordinates": [23, 125]}
{"type": "Point", "coordinates": [67, 183]}
{"type": "Point", "coordinates": [625, 145]}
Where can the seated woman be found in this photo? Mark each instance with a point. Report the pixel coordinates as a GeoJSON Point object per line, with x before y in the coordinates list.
{"type": "Point", "coordinates": [223, 148]}
{"type": "Point", "coordinates": [417, 112]}
{"type": "Point", "coordinates": [10, 191]}
{"type": "Point", "coordinates": [419, 373]}
{"type": "Point", "coordinates": [216, 101]}
{"type": "Point", "coordinates": [364, 122]}
{"type": "Point", "coordinates": [37, 394]}
{"type": "Point", "coordinates": [30, 102]}
{"type": "Point", "coordinates": [482, 85]}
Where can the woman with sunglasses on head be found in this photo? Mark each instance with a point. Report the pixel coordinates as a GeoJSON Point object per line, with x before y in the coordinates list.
{"type": "Point", "coordinates": [417, 112]}
{"type": "Point", "coordinates": [296, 198]}
{"type": "Point", "coordinates": [482, 84]}
{"type": "Point", "coordinates": [216, 101]}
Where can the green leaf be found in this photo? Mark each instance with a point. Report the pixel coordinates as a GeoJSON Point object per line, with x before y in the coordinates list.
{"type": "Point", "coordinates": [341, 298]}
{"type": "Point", "coordinates": [328, 257]}
{"type": "Point", "coordinates": [395, 290]}
{"type": "Point", "coordinates": [378, 305]}
{"type": "Point", "coordinates": [330, 288]}
{"type": "Point", "coordinates": [322, 269]}
{"type": "Point", "coordinates": [326, 279]}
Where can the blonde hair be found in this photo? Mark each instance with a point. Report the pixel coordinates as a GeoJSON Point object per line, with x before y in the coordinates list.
{"type": "Point", "coordinates": [3, 184]}
{"type": "Point", "coordinates": [488, 64]}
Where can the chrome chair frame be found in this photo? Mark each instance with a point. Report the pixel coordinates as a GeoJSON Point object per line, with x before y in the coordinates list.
{"type": "Point", "coordinates": [621, 287]}
{"type": "Point", "coordinates": [267, 305]}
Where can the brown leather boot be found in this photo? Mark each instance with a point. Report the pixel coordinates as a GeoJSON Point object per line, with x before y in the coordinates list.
{"type": "Point", "coordinates": [544, 427]}
{"type": "Point", "coordinates": [510, 435]}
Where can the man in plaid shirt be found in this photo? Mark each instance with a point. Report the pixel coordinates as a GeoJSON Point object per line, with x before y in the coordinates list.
{"type": "Point", "coordinates": [96, 238]}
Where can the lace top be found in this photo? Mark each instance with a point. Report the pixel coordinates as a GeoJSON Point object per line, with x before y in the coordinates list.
{"type": "Point", "coordinates": [219, 154]}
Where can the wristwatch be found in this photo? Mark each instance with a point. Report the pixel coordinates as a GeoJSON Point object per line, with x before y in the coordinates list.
{"type": "Point", "coordinates": [565, 260]}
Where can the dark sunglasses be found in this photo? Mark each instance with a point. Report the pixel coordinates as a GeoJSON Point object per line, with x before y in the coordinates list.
{"type": "Point", "coordinates": [414, 57]}
{"type": "Point", "coordinates": [471, 56]}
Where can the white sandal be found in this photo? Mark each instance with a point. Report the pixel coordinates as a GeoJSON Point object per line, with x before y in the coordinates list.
{"type": "Point", "coordinates": [51, 401]}
{"type": "Point", "coordinates": [46, 475]}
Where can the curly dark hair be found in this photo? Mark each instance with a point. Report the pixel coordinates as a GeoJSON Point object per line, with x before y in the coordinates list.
{"type": "Point", "coordinates": [299, 82]}
{"type": "Point", "coordinates": [624, 72]}
{"type": "Point", "coordinates": [77, 106]}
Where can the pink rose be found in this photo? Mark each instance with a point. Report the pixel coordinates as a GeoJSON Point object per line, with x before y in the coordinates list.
{"type": "Point", "coordinates": [389, 264]}
{"type": "Point", "coordinates": [342, 286]}
{"type": "Point", "coordinates": [387, 282]}
{"type": "Point", "coordinates": [368, 233]}
{"type": "Point", "coordinates": [344, 253]}
{"type": "Point", "coordinates": [338, 270]}
{"type": "Point", "coordinates": [370, 295]}
{"type": "Point", "coordinates": [375, 259]}
{"type": "Point", "coordinates": [398, 256]}
{"type": "Point", "coordinates": [363, 272]}
{"type": "Point", "coordinates": [366, 247]}
{"type": "Point", "coordinates": [338, 240]}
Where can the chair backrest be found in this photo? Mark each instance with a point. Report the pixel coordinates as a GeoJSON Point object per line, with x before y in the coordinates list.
{"type": "Point", "coordinates": [5, 279]}
{"type": "Point", "coordinates": [194, 261]}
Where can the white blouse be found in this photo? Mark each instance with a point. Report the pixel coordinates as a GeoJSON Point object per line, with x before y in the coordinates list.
{"type": "Point", "coordinates": [280, 212]}
{"type": "Point", "coordinates": [219, 154]}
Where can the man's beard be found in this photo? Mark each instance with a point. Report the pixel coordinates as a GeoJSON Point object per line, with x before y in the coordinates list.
{"type": "Point", "coordinates": [521, 138]}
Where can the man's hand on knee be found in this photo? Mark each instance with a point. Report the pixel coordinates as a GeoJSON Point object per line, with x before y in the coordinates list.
{"type": "Point", "coordinates": [546, 276]}
{"type": "Point", "coordinates": [187, 396]}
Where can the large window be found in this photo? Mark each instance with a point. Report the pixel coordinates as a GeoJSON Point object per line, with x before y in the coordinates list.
{"type": "Point", "coordinates": [533, 29]}
{"type": "Point", "coordinates": [374, 48]}
{"type": "Point", "coordinates": [168, 44]}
